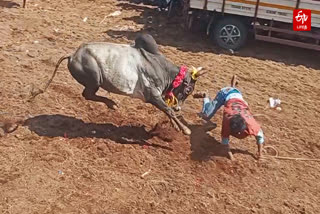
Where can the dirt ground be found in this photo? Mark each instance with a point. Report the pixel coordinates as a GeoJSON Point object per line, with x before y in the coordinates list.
{"type": "Point", "coordinates": [76, 156]}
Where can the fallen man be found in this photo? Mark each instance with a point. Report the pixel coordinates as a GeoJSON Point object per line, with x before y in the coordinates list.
{"type": "Point", "coordinates": [237, 119]}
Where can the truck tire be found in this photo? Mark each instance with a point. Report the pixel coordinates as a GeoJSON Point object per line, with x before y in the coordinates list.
{"type": "Point", "coordinates": [230, 33]}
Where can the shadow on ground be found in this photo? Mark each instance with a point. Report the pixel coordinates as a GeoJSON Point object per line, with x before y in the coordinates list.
{"type": "Point", "coordinates": [166, 31]}
{"type": "Point", "coordinates": [171, 32]}
{"type": "Point", "coordinates": [70, 127]}
{"type": "Point", "coordinates": [205, 147]}
{"type": "Point", "coordinates": [9, 4]}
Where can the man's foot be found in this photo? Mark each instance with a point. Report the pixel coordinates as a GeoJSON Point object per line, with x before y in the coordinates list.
{"type": "Point", "coordinates": [208, 125]}
{"type": "Point", "coordinates": [202, 116]}
{"type": "Point", "coordinates": [260, 156]}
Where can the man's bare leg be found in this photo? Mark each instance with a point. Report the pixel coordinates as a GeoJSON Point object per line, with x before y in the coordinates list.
{"type": "Point", "coordinates": [234, 81]}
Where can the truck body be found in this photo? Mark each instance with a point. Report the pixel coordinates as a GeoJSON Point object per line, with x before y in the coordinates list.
{"type": "Point", "coordinates": [270, 20]}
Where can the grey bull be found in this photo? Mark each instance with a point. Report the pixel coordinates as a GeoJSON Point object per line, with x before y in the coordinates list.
{"type": "Point", "coordinates": [138, 71]}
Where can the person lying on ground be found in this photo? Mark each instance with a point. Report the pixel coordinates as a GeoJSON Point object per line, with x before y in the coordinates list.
{"type": "Point", "coordinates": [237, 119]}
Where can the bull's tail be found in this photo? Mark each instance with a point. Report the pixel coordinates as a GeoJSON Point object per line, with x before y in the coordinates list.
{"type": "Point", "coordinates": [40, 91]}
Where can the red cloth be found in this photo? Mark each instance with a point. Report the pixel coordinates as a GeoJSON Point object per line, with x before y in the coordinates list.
{"type": "Point", "coordinates": [179, 78]}
{"type": "Point", "coordinates": [236, 106]}
{"type": "Point", "coordinates": [177, 81]}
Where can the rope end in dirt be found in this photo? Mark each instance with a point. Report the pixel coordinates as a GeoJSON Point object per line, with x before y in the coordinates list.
{"type": "Point", "coordinates": [288, 158]}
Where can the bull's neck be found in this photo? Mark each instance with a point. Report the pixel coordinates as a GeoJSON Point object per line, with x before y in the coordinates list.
{"type": "Point", "coordinates": [173, 72]}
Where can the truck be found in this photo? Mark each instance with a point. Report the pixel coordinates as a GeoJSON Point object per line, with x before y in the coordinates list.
{"type": "Point", "coordinates": [228, 22]}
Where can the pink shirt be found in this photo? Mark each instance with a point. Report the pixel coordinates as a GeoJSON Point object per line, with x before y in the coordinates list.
{"type": "Point", "coordinates": [236, 106]}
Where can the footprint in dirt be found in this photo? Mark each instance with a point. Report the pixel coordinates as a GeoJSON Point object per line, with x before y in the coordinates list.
{"type": "Point", "coordinates": [163, 131]}
{"type": "Point", "coordinates": [70, 127]}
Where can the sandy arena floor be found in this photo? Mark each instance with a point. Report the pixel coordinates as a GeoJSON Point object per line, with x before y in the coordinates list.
{"type": "Point", "coordinates": [78, 156]}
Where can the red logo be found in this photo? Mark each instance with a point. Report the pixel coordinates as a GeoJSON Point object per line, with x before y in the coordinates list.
{"type": "Point", "coordinates": [302, 20]}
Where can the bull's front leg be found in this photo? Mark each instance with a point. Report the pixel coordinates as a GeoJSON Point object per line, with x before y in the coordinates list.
{"type": "Point", "coordinates": [161, 105]}
{"type": "Point", "coordinates": [174, 124]}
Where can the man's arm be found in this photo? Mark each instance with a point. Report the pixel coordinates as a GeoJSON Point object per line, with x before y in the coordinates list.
{"type": "Point", "coordinates": [225, 134]}
{"type": "Point", "coordinates": [260, 141]}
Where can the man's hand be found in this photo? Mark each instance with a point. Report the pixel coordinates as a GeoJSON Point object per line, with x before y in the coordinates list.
{"type": "Point", "coordinates": [259, 153]}
{"type": "Point", "coordinates": [229, 153]}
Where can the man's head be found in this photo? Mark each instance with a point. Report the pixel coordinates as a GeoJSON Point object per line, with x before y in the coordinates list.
{"type": "Point", "coordinates": [237, 124]}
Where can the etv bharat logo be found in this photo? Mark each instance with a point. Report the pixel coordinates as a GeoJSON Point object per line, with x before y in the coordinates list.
{"type": "Point", "coordinates": [302, 20]}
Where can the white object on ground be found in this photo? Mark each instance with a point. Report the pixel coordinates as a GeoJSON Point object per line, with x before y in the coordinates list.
{"type": "Point", "coordinates": [115, 13]}
{"type": "Point", "coordinates": [274, 102]}
{"type": "Point", "coordinates": [146, 173]}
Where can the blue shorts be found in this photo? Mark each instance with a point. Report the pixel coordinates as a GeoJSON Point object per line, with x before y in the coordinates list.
{"type": "Point", "coordinates": [210, 107]}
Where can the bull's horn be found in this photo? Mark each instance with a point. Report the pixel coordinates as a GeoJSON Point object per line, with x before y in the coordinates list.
{"type": "Point", "coordinates": [201, 74]}
{"type": "Point", "coordinates": [199, 68]}
{"type": "Point", "coordinates": [194, 73]}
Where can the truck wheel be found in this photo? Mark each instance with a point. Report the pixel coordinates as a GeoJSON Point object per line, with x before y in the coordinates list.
{"type": "Point", "coordinates": [230, 33]}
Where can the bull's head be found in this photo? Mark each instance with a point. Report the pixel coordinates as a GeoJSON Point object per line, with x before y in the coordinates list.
{"type": "Point", "coordinates": [186, 88]}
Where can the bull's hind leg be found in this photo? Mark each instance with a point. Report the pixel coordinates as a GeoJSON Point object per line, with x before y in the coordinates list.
{"type": "Point", "coordinates": [90, 94]}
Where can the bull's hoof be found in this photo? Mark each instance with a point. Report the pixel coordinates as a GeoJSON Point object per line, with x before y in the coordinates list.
{"type": "Point", "coordinates": [186, 131]}
{"type": "Point", "coordinates": [114, 107]}
{"type": "Point", "coordinates": [176, 127]}
{"type": "Point", "coordinates": [177, 108]}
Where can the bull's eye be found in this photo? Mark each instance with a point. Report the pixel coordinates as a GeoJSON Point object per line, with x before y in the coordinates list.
{"type": "Point", "coordinates": [188, 90]}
